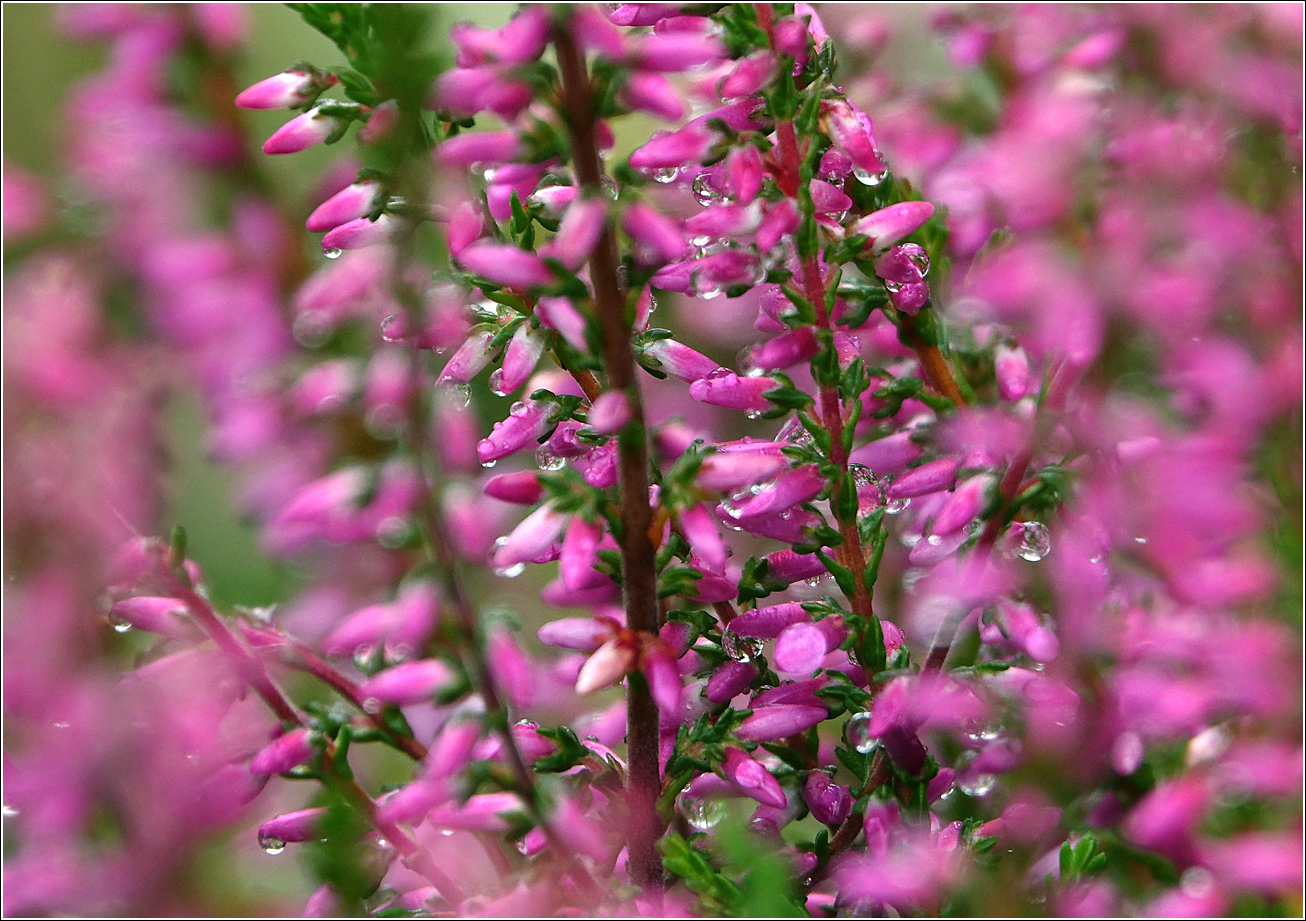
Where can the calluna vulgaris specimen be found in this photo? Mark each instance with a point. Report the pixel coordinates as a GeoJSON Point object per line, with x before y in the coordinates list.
{"type": "Point", "coordinates": [960, 589]}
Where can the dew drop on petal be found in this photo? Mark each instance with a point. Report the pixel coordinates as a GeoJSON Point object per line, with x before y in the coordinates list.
{"type": "Point", "coordinates": [271, 845]}
{"type": "Point", "coordinates": [702, 814]}
{"type": "Point", "coordinates": [740, 648]}
{"type": "Point", "coordinates": [665, 175]}
{"type": "Point", "coordinates": [547, 459]}
{"type": "Point", "coordinates": [1035, 541]}
{"type": "Point", "coordinates": [977, 784]}
{"type": "Point", "coordinates": [859, 733]}
{"type": "Point", "coordinates": [865, 177]}
{"type": "Point", "coordinates": [496, 383]}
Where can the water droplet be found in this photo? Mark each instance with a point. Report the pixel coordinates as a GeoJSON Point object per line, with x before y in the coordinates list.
{"type": "Point", "coordinates": [919, 258]}
{"type": "Point", "coordinates": [892, 287]}
{"type": "Point", "coordinates": [331, 252]}
{"type": "Point", "coordinates": [1197, 882]}
{"type": "Point", "coordinates": [548, 459]}
{"type": "Point", "coordinates": [392, 328]}
{"type": "Point", "coordinates": [446, 832]}
{"type": "Point", "coordinates": [703, 286]}
{"type": "Point", "coordinates": [702, 814]}
{"type": "Point", "coordinates": [270, 844]}
{"type": "Point", "coordinates": [894, 506]}
{"type": "Point", "coordinates": [859, 733]}
{"type": "Point", "coordinates": [311, 328]}
{"type": "Point", "coordinates": [393, 532]}
{"type": "Point", "coordinates": [487, 464]}
{"type": "Point", "coordinates": [1141, 541]}
{"type": "Point", "coordinates": [1035, 541]}
{"type": "Point", "coordinates": [609, 186]}
{"type": "Point", "coordinates": [704, 193]}
{"type": "Point", "coordinates": [865, 177]}
{"type": "Point", "coordinates": [740, 648]}
{"type": "Point", "coordinates": [62, 724]}
{"type": "Point", "coordinates": [665, 175]}
{"type": "Point", "coordinates": [372, 705]}
{"type": "Point", "coordinates": [507, 572]}
{"type": "Point", "coordinates": [9, 812]}
{"type": "Point", "coordinates": [754, 413]}
{"type": "Point", "coordinates": [119, 624]}
{"type": "Point", "coordinates": [814, 581]}
{"type": "Point", "coordinates": [496, 383]}
{"type": "Point", "coordinates": [977, 784]}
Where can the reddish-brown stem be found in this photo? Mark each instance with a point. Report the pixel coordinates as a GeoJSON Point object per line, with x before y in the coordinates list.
{"type": "Point", "coordinates": [639, 574]}
{"type": "Point", "coordinates": [847, 832]}
{"type": "Point", "coordinates": [938, 373]}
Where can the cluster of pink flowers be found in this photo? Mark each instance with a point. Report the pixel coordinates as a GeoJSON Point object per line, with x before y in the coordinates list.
{"type": "Point", "coordinates": [965, 586]}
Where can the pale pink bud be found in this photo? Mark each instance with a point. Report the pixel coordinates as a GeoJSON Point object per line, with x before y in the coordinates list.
{"type": "Point", "coordinates": [561, 316]}
{"type": "Point", "coordinates": [830, 803]}
{"type": "Point", "coordinates": [680, 361]}
{"type": "Point", "coordinates": [519, 360]}
{"type": "Point", "coordinates": [522, 488]}
{"type": "Point", "coordinates": [407, 683]}
{"type": "Point", "coordinates": [473, 355]}
{"type": "Point", "coordinates": [291, 827]}
{"type": "Point", "coordinates": [744, 174]}
{"type": "Point", "coordinates": [505, 264]}
{"type": "Point", "coordinates": [727, 471]}
{"type": "Point", "coordinates": [850, 130]}
{"type": "Point", "coordinates": [887, 455]}
{"type": "Point", "coordinates": [657, 238]}
{"type": "Point", "coordinates": [642, 14]}
{"type": "Point", "coordinates": [751, 777]}
{"type": "Point", "coordinates": [788, 489]}
{"type": "Point", "coordinates": [667, 150]}
{"type": "Point", "coordinates": [887, 226]}
{"type": "Point", "coordinates": [933, 476]}
{"type": "Point", "coordinates": [789, 567]}
{"type": "Point", "coordinates": [800, 648]}
{"type": "Point", "coordinates": [1011, 366]}
{"type": "Point", "coordinates": [466, 226]}
{"type": "Point", "coordinates": [608, 665]}
{"type": "Point", "coordinates": [151, 614]}
{"type": "Point", "coordinates": [363, 232]}
{"type": "Point", "coordinates": [675, 51]}
{"type": "Point", "coordinates": [380, 123]}
{"type": "Point", "coordinates": [652, 93]}
{"type": "Point", "coordinates": [729, 680]}
{"type": "Point", "coordinates": [583, 634]}
{"type": "Point", "coordinates": [531, 538]}
{"type": "Point", "coordinates": [479, 147]}
{"type": "Point", "coordinates": [663, 678]}
{"type": "Point", "coordinates": [826, 199]}
{"type": "Point", "coordinates": [790, 36]}
{"type": "Point", "coordinates": [749, 76]}
{"type": "Point", "coordinates": [777, 721]}
{"type": "Point", "coordinates": [578, 233]}
{"type": "Point", "coordinates": [610, 412]}
{"type": "Point", "coordinates": [524, 424]}
{"type": "Point", "coordinates": [769, 622]}
{"type": "Point", "coordinates": [704, 536]}
{"type": "Point", "coordinates": [780, 220]}
{"type": "Point", "coordinates": [909, 299]}
{"type": "Point", "coordinates": [354, 201]}
{"type": "Point", "coordinates": [288, 751]}
{"type": "Point", "coordinates": [302, 132]}
{"type": "Point", "coordinates": [595, 33]}
{"type": "Point", "coordinates": [286, 89]}
{"type": "Point", "coordinates": [785, 350]}
{"type": "Point", "coordinates": [727, 389]}
{"type": "Point", "coordinates": [579, 554]}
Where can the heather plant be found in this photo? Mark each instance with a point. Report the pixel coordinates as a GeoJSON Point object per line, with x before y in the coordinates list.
{"type": "Point", "coordinates": [920, 460]}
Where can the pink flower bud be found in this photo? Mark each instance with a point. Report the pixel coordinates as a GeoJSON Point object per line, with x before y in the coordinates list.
{"type": "Point", "coordinates": [595, 33]}
{"type": "Point", "coordinates": [525, 423]}
{"type": "Point", "coordinates": [608, 665]}
{"type": "Point", "coordinates": [610, 412]}
{"type": "Point", "coordinates": [286, 89]}
{"type": "Point", "coordinates": [725, 388]}
{"type": "Point", "coordinates": [151, 614]}
{"type": "Point", "coordinates": [826, 199]}
{"type": "Point", "coordinates": [669, 150]}
{"type": "Point", "coordinates": [479, 147]}
{"type": "Point", "coordinates": [642, 14]}
{"type": "Point", "coordinates": [887, 455]}
{"type": "Point", "coordinates": [578, 234]}
{"type": "Point", "coordinates": [518, 488]}
{"type": "Point", "coordinates": [579, 554]}
{"type": "Point", "coordinates": [380, 123]}
{"type": "Point", "coordinates": [830, 803]}
{"type": "Point", "coordinates": [519, 360]}
{"type": "Point", "coordinates": [302, 132]}
{"type": "Point", "coordinates": [785, 350]}
{"type": "Point", "coordinates": [663, 678]}
{"type": "Point", "coordinates": [789, 488]}
{"type": "Point", "coordinates": [583, 634]}
{"type": "Point", "coordinates": [749, 76]}
{"type": "Point", "coordinates": [288, 751]}
{"type": "Point", "coordinates": [769, 622]}
{"type": "Point", "coordinates": [657, 238]}
{"type": "Point", "coordinates": [531, 538]}
{"type": "Point", "coordinates": [933, 476]}
{"type": "Point", "coordinates": [744, 175]}
{"type": "Point", "coordinates": [729, 680]}
{"type": "Point", "coordinates": [561, 316]}
{"type": "Point", "coordinates": [680, 361]}
{"type": "Point", "coordinates": [800, 648]}
{"type": "Point", "coordinates": [751, 777]}
{"type": "Point", "coordinates": [790, 36]}
{"type": "Point", "coordinates": [355, 201]}
{"type": "Point", "coordinates": [407, 683]}
{"type": "Point", "coordinates": [505, 264]}
{"type": "Point", "coordinates": [704, 536]}
{"type": "Point", "coordinates": [777, 721]}
{"type": "Point", "coordinates": [473, 355]}
{"type": "Point", "coordinates": [789, 567]}
{"type": "Point", "coordinates": [363, 232]}
{"type": "Point", "coordinates": [675, 51]}
{"type": "Point", "coordinates": [466, 226]}
{"type": "Point", "coordinates": [651, 93]}
{"type": "Point", "coordinates": [887, 226]}
{"type": "Point", "coordinates": [291, 827]}
{"type": "Point", "coordinates": [1011, 367]}
{"type": "Point", "coordinates": [902, 265]}
{"type": "Point", "coordinates": [729, 470]}
{"type": "Point", "coordinates": [909, 299]}
{"type": "Point", "coordinates": [780, 220]}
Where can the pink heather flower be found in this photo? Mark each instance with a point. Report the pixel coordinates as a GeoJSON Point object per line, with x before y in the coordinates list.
{"type": "Point", "coordinates": [887, 455]}
{"type": "Point", "coordinates": [519, 41]}
{"type": "Point", "coordinates": [380, 123]}
{"type": "Point", "coordinates": [789, 488]}
{"type": "Point", "coordinates": [800, 648]}
{"type": "Point", "coordinates": [561, 316]}
{"type": "Point", "coordinates": [1011, 366]}
{"type": "Point", "coordinates": [966, 501]}
{"type": "Point", "coordinates": [522, 488]}
{"type": "Point", "coordinates": [583, 634]}
{"type": "Point", "coordinates": [536, 532]}
{"type": "Point", "coordinates": [610, 412]}
{"type": "Point", "coordinates": [744, 175]}
{"type": "Point", "coordinates": [750, 75]}
{"type": "Point", "coordinates": [466, 226]}
{"type": "Point", "coordinates": [479, 147]}
{"type": "Point", "coordinates": [679, 361]}
{"type": "Point", "coordinates": [778, 721]}
{"type": "Point", "coordinates": [605, 667]}
{"type": "Point", "coordinates": [525, 423]}
{"type": "Point", "coordinates": [473, 355]}
{"type": "Point", "coordinates": [768, 622]}
{"type": "Point", "coordinates": [291, 827]}
{"type": "Point", "coordinates": [1164, 820]}
{"type": "Point", "coordinates": [659, 668]}
{"type": "Point", "coordinates": [288, 751]}
{"type": "Point", "coordinates": [519, 360]}
{"type": "Point", "coordinates": [704, 537]}
{"type": "Point", "coordinates": [909, 299]}
{"type": "Point", "coordinates": [788, 567]}
{"type": "Point", "coordinates": [932, 476]}
{"type": "Point", "coordinates": [780, 220]}
{"type": "Point", "coordinates": [651, 93]}
{"type": "Point", "coordinates": [674, 51]}
{"type": "Point", "coordinates": [751, 777]}
{"type": "Point", "coordinates": [657, 238]}
{"type": "Point", "coordinates": [578, 234]}
{"type": "Point", "coordinates": [790, 37]}
{"type": "Point", "coordinates": [728, 470]}
{"type": "Point", "coordinates": [727, 389]}
{"type": "Point", "coordinates": [830, 802]}
{"type": "Point", "coordinates": [887, 226]}
{"type": "Point", "coordinates": [408, 621]}
{"type": "Point", "coordinates": [363, 232]}
{"type": "Point", "coordinates": [826, 199]}
{"type": "Point", "coordinates": [302, 132]}
{"type": "Point", "coordinates": [354, 201]}
{"type": "Point", "coordinates": [850, 130]}
{"type": "Point", "coordinates": [672, 150]}
{"type": "Point", "coordinates": [151, 614]}
{"type": "Point", "coordinates": [284, 90]}
{"type": "Point", "coordinates": [506, 265]}
{"type": "Point", "coordinates": [579, 554]}
{"type": "Point", "coordinates": [785, 350]}
{"type": "Point", "coordinates": [407, 683]}
{"type": "Point", "coordinates": [729, 680]}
